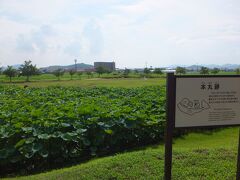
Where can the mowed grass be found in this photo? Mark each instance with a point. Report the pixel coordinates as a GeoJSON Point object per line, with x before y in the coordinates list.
{"type": "Point", "coordinates": [195, 156]}
{"type": "Point", "coordinates": [120, 82]}
{"type": "Point", "coordinates": [66, 76]}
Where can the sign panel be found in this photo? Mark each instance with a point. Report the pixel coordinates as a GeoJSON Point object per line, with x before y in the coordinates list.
{"type": "Point", "coordinates": [207, 101]}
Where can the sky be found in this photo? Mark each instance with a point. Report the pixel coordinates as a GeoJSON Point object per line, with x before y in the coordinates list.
{"type": "Point", "coordinates": [132, 33]}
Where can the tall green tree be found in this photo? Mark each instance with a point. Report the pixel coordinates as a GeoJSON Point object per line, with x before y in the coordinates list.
{"type": "Point", "coordinates": [72, 72]}
{"type": "Point", "coordinates": [28, 70]}
{"type": "Point", "coordinates": [58, 73]}
{"type": "Point", "coordinates": [80, 74]}
{"type": "Point", "coordinates": [238, 71]}
{"type": "Point", "coordinates": [10, 72]}
{"type": "Point", "coordinates": [147, 70]}
{"type": "Point", "coordinates": [158, 71]}
{"type": "Point", "coordinates": [100, 70]}
{"type": "Point", "coordinates": [126, 72]}
{"type": "Point", "coordinates": [180, 70]}
{"type": "Point", "coordinates": [204, 70]}
{"type": "Point", "coordinates": [215, 70]}
{"type": "Point", "coordinates": [136, 71]}
{"type": "Point", "coordinates": [89, 74]}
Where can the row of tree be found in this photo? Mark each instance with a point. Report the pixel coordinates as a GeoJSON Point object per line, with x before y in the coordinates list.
{"type": "Point", "coordinates": [26, 69]}
{"type": "Point", "coordinates": [203, 70]}
{"type": "Point", "coordinates": [60, 72]}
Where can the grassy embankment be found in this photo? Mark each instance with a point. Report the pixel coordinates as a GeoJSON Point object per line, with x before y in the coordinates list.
{"type": "Point", "coordinates": [195, 156]}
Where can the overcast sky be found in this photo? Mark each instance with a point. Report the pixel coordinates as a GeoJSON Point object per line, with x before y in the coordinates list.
{"type": "Point", "coordinates": [132, 33]}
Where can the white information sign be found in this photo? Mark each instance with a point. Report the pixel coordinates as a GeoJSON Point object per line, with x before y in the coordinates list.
{"type": "Point", "coordinates": [207, 101]}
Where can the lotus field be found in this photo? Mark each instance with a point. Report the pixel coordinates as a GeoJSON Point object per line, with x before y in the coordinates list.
{"type": "Point", "coordinates": [42, 127]}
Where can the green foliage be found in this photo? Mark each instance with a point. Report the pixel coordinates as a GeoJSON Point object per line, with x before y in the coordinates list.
{"type": "Point", "coordinates": [147, 70]}
{"type": "Point", "coordinates": [89, 74]}
{"type": "Point", "coordinates": [136, 71]}
{"type": "Point", "coordinates": [204, 70]}
{"type": "Point", "coordinates": [80, 74]}
{"type": "Point", "coordinates": [238, 71]}
{"type": "Point", "coordinates": [215, 70]}
{"type": "Point", "coordinates": [208, 155]}
{"type": "Point", "coordinates": [43, 125]}
{"type": "Point", "coordinates": [72, 72]}
{"type": "Point", "coordinates": [158, 71]}
{"type": "Point", "coordinates": [10, 72]}
{"type": "Point", "coordinates": [27, 69]}
{"type": "Point", "coordinates": [126, 72]}
{"type": "Point", "coordinates": [180, 70]}
{"type": "Point", "coordinates": [100, 70]}
{"type": "Point", "coordinates": [58, 73]}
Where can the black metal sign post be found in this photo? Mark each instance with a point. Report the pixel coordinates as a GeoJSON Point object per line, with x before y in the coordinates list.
{"type": "Point", "coordinates": [170, 122]}
{"type": "Point", "coordinates": [171, 88]}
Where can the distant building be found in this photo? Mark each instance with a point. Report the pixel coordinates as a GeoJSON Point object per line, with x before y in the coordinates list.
{"type": "Point", "coordinates": [107, 65]}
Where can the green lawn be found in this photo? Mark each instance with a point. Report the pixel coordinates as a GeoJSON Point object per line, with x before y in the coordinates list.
{"type": "Point", "coordinates": [121, 82]}
{"type": "Point", "coordinates": [66, 76]}
{"type": "Point", "coordinates": [108, 80]}
{"type": "Point", "coordinates": [195, 156]}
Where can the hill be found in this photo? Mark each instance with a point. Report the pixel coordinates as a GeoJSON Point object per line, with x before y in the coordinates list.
{"type": "Point", "coordinates": [225, 67]}
{"type": "Point", "coordinates": [80, 66]}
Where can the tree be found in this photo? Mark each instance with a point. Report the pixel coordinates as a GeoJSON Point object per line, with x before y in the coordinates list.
{"type": "Point", "coordinates": [204, 70]}
{"type": "Point", "coordinates": [146, 71]}
{"type": "Point", "coordinates": [27, 69]}
{"type": "Point", "coordinates": [72, 72]}
{"type": "Point", "coordinates": [238, 71]}
{"type": "Point", "coordinates": [158, 71]}
{"type": "Point", "coordinates": [136, 71]}
{"type": "Point", "coordinates": [180, 70]}
{"type": "Point", "coordinates": [10, 72]}
{"type": "Point", "coordinates": [215, 70]}
{"type": "Point", "coordinates": [89, 74]}
{"type": "Point", "coordinates": [58, 73]}
{"type": "Point", "coordinates": [100, 70]}
{"type": "Point", "coordinates": [80, 74]}
{"type": "Point", "coordinates": [126, 72]}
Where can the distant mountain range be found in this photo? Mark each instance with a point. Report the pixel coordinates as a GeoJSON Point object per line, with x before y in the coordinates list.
{"type": "Point", "coordinates": [15, 66]}
{"type": "Point", "coordinates": [80, 66]}
{"type": "Point", "coordinates": [210, 66]}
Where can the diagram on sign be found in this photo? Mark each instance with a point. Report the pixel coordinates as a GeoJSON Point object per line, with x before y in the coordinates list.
{"type": "Point", "coordinates": [192, 107]}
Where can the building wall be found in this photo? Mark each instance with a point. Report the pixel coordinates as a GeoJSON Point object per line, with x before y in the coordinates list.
{"type": "Point", "coordinates": [107, 65]}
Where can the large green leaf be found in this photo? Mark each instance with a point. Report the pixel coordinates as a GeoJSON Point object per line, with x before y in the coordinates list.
{"type": "Point", "coordinates": [20, 143]}
{"type": "Point", "coordinates": [44, 153]}
{"type": "Point", "coordinates": [43, 136]}
{"type": "Point", "coordinates": [36, 147]}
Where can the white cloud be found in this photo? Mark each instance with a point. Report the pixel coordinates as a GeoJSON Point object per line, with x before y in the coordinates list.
{"type": "Point", "coordinates": [160, 32]}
